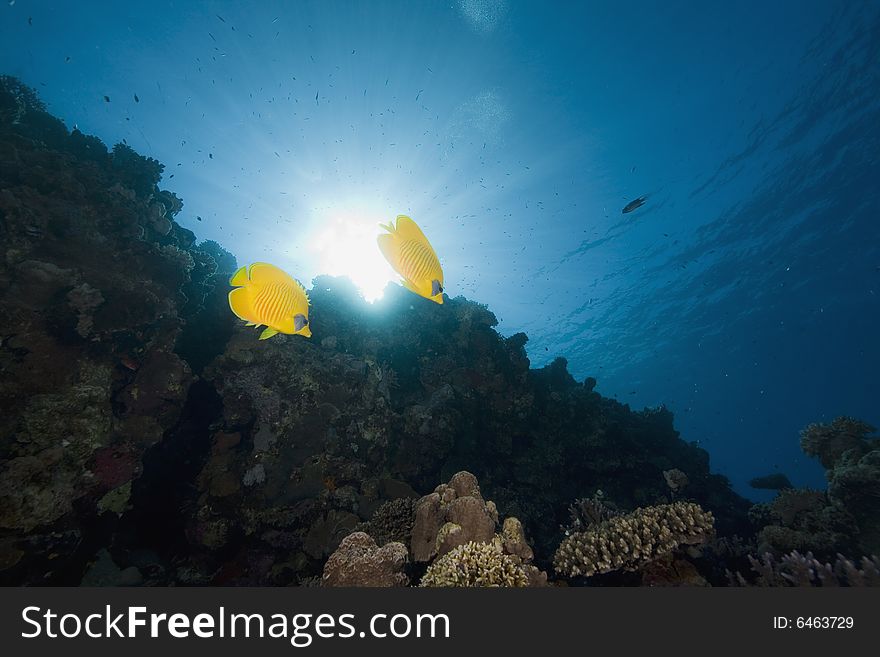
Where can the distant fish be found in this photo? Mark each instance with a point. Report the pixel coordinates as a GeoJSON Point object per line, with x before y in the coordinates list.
{"type": "Point", "coordinates": [266, 295]}
{"type": "Point", "coordinates": [136, 99]}
{"type": "Point", "coordinates": [775, 481]}
{"type": "Point", "coordinates": [406, 248]}
{"type": "Point", "coordinates": [633, 205]}
{"type": "Point", "coordinates": [106, 99]}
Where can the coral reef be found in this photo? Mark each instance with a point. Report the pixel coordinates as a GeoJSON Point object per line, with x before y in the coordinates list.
{"type": "Point", "coordinates": [90, 293]}
{"type": "Point", "coordinates": [475, 564]}
{"type": "Point", "coordinates": [588, 511]}
{"type": "Point", "coordinates": [454, 514]}
{"type": "Point", "coordinates": [796, 569]}
{"type": "Point", "coordinates": [629, 541]}
{"type": "Point", "coordinates": [803, 520]}
{"type": "Point", "coordinates": [830, 443]}
{"type": "Point", "coordinates": [358, 561]}
{"type": "Point", "coordinates": [392, 521]}
{"type": "Point", "coordinates": [140, 418]}
{"type": "Point", "coordinates": [845, 518]}
{"type": "Point", "coordinates": [675, 479]}
{"type": "Point", "coordinates": [852, 464]}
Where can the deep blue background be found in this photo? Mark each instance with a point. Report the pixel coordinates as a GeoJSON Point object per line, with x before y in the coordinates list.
{"type": "Point", "coordinates": [744, 295]}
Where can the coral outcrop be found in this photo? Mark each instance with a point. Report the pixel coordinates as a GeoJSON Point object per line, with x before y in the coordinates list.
{"type": "Point", "coordinates": [845, 518]}
{"type": "Point", "coordinates": [454, 514]}
{"type": "Point", "coordinates": [627, 542]}
{"type": "Point", "coordinates": [91, 308]}
{"type": "Point", "coordinates": [804, 520]}
{"type": "Point", "coordinates": [358, 561]}
{"type": "Point", "coordinates": [852, 463]}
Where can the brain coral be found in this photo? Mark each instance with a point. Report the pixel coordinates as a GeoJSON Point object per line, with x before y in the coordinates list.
{"type": "Point", "coordinates": [630, 541]}
{"type": "Point", "coordinates": [475, 565]}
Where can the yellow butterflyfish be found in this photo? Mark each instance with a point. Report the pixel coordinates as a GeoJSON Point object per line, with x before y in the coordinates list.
{"type": "Point", "coordinates": [266, 295]}
{"type": "Point", "coordinates": [408, 251]}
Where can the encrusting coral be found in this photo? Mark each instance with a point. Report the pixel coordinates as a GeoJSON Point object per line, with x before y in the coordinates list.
{"type": "Point", "coordinates": [629, 541]}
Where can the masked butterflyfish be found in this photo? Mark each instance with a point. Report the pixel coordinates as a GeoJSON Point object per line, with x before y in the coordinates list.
{"type": "Point", "coordinates": [407, 249]}
{"type": "Point", "coordinates": [266, 295]}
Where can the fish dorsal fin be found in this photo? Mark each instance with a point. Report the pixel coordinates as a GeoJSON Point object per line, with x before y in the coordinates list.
{"type": "Point", "coordinates": [407, 229]}
{"type": "Point", "coordinates": [389, 250]}
{"type": "Point", "coordinates": [299, 286]}
{"type": "Point", "coordinates": [239, 278]}
{"type": "Point", "coordinates": [262, 273]}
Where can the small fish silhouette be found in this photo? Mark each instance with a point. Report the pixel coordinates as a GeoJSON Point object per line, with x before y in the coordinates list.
{"type": "Point", "coordinates": [633, 205]}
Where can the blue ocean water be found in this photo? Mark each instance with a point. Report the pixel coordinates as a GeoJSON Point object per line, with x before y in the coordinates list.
{"type": "Point", "coordinates": [743, 295]}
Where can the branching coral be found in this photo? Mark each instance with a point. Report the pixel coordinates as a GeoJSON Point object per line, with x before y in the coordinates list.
{"type": "Point", "coordinates": [630, 541]}
{"type": "Point", "coordinates": [796, 569]}
{"type": "Point", "coordinates": [475, 565]}
{"type": "Point", "coordinates": [588, 511]}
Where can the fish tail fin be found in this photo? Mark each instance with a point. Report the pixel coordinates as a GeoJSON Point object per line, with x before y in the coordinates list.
{"type": "Point", "coordinates": [239, 278]}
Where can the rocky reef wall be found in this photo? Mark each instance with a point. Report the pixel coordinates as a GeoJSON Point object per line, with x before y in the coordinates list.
{"type": "Point", "coordinates": [147, 437]}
